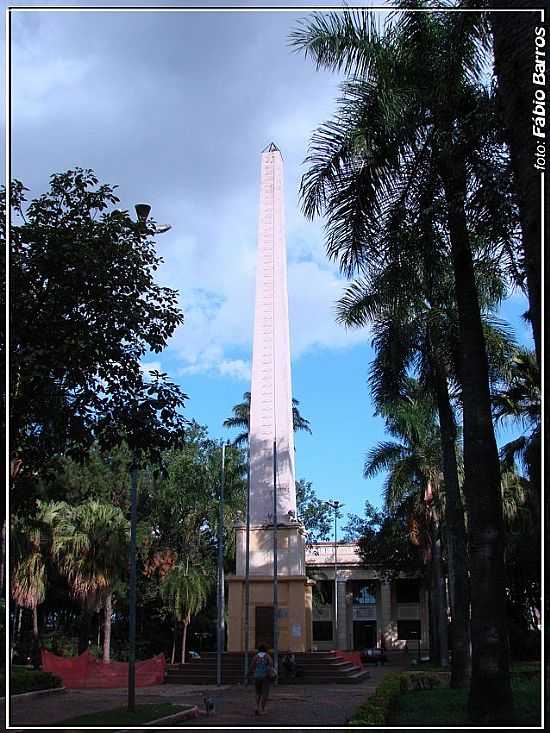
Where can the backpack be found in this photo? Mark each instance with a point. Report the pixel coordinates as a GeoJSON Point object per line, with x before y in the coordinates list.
{"type": "Point", "coordinates": [262, 667]}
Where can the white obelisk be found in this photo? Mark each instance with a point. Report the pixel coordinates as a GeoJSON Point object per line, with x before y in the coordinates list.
{"type": "Point", "coordinates": [271, 390]}
{"type": "Point", "coordinates": [252, 603]}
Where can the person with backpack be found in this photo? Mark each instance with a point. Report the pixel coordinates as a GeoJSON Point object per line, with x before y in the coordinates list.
{"type": "Point", "coordinates": [263, 672]}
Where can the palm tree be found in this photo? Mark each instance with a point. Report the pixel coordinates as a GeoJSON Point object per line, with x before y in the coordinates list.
{"type": "Point", "coordinates": [31, 540]}
{"type": "Point", "coordinates": [519, 400]}
{"type": "Point", "coordinates": [91, 549]}
{"type": "Point", "coordinates": [413, 466]}
{"type": "Point", "coordinates": [513, 42]}
{"type": "Point", "coordinates": [410, 305]}
{"type": "Point", "coordinates": [185, 589]}
{"type": "Point", "coordinates": [414, 118]}
{"type": "Point", "coordinates": [241, 419]}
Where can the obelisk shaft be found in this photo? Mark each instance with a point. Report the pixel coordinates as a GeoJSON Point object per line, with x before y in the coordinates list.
{"type": "Point", "coordinates": [271, 391]}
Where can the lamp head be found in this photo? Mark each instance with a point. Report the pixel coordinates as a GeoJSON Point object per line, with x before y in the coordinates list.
{"type": "Point", "coordinates": [142, 212]}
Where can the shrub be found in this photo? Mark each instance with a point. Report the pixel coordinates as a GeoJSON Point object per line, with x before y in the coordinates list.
{"type": "Point", "coordinates": [377, 708]}
{"type": "Point", "coordinates": [26, 680]}
{"type": "Point", "coordinates": [375, 711]}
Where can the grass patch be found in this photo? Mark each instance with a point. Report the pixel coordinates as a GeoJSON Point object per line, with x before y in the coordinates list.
{"type": "Point", "coordinates": [446, 707]}
{"type": "Point", "coordinates": [121, 716]}
{"type": "Point", "coordinates": [30, 680]}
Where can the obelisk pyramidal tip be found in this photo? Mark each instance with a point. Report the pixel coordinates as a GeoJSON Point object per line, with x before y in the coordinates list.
{"type": "Point", "coordinates": [271, 391]}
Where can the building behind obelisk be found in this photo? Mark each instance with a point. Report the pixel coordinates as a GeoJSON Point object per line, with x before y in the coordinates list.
{"type": "Point", "coordinates": [271, 427]}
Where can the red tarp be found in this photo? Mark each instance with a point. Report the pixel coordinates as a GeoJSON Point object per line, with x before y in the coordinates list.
{"type": "Point", "coordinates": [353, 657]}
{"type": "Point", "coordinates": [87, 671]}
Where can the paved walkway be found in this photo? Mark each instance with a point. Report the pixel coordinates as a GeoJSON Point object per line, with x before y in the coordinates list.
{"type": "Point", "coordinates": [289, 705]}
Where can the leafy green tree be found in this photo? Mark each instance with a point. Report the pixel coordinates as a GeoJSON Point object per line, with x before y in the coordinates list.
{"type": "Point", "coordinates": [388, 539]}
{"type": "Point", "coordinates": [314, 513]}
{"type": "Point", "coordinates": [91, 311]}
{"type": "Point", "coordinates": [185, 588]}
{"type": "Point", "coordinates": [416, 117]}
{"type": "Point", "coordinates": [241, 419]}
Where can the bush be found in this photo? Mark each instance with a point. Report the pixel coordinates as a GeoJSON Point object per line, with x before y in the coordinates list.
{"type": "Point", "coordinates": [27, 680]}
{"type": "Point", "coordinates": [378, 707]}
{"type": "Point", "coordinates": [376, 710]}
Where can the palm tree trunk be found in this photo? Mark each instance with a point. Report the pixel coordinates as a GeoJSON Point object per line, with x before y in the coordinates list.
{"type": "Point", "coordinates": [490, 698]}
{"type": "Point", "coordinates": [173, 659]}
{"type": "Point", "coordinates": [184, 638]}
{"type": "Point", "coordinates": [36, 656]}
{"type": "Point", "coordinates": [108, 611]}
{"type": "Point", "coordinates": [514, 46]}
{"type": "Point", "coordinates": [455, 537]}
{"type": "Point", "coordinates": [441, 604]}
{"type": "Point", "coordinates": [35, 622]}
{"type": "Point", "coordinates": [3, 557]}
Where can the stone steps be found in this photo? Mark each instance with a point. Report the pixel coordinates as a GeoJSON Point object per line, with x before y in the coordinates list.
{"type": "Point", "coordinates": [317, 668]}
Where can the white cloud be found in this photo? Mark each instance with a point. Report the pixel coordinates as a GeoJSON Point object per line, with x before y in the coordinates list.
{"type": "Point", "coordinates": [150, 366]}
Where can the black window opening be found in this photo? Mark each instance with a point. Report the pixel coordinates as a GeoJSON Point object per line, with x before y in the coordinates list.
{"type": "Point", "coordinates": [407, 591]}
{"type": "Point", "coordinates": [322, 631]}
{"type": "Point", "coordinates": [363, 592]}
{"type": "Point", "coordinates": [408, 629]}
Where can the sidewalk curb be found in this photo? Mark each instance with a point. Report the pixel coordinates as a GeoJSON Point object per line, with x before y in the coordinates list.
{"type": "Point", "coordinates": [35, 693]}
{"type": "Point", "coordinates": [192, 712]}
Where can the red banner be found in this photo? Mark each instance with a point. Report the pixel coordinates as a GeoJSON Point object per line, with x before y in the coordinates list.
{"type": "Point", "coordinates": [85, 671]}
{"type": "Point", "coordinates": [353, 657]}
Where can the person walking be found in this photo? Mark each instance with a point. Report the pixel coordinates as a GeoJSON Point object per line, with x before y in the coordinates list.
{"type": "Point", "coordinates": [263, 671]}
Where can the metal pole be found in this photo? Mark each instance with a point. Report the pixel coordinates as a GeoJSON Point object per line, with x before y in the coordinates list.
{"type": "Point", "coordinates": [132, 588]}
{"type": "Point", "coordinates": [275, 570]}
{"type": "Point", "coordinates": [221, 599]}
{"type": "Point", "coordinates": [247, 578]}
{"type": "Point", "coordinates": [335, 576]}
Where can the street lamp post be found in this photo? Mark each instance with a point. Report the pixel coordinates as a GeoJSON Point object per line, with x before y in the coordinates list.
{"type": "Point", "coordinates": [247, 578]}
{"type": "Point", "coordinates": [221, 595]}
{"type": "Point", "coordinates": [142, 213]}
{"type": "Point", "coordinates": [336, 505]}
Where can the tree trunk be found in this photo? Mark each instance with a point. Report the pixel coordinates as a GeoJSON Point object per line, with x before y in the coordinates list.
{"type": "Point", "coordinates": [490, 698]}
{"type": "Point", "coordinates": [514, 49]}
{"type": "Point", "coordinates": [441, 605]}
{"type": "Point", "coordinates": [3, 557]}
{"type": "Point", "coordinates": [174, 646]}
{"type": "Point", "coordinates": [36, 656]}
{"type": "Point", "coordinates": [184, 638]}
{"type": "Point", "coordinates": [35, 622]}
{"type": "Point", "coordinates": [455, 536]}
{"type": "Point", "coordinates": [84, 630]}
{"type": "Point", "coordinates": [108, 612]}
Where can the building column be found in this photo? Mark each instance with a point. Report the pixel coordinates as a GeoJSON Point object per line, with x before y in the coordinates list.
{"type": "Point", "coordinates": [385, 613]}
{"type": "Point", "coordinates": [342, 636]}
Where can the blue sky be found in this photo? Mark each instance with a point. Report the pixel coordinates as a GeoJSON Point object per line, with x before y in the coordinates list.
{"type": "Point", "coordinates": [175, 109]}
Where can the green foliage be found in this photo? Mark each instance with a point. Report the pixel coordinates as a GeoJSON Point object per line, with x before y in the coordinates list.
{"type": "Point", "coordinates": [384, 539]}
{"type": "Point", "coordinates": [376, 710]}
{"type": "Point", "coordinates": [314, 513]}
{"type": "Point", "coordinates": [91, 310]}
{"type": "Point", "coordinates": [90, 547]}
{"type": "Point", "coordinates": [446, 707]}
{"type": "Point", "coordinates": [241, 420]}
{"type": "Point", "coordinates": [185, 589]}
{"type": "Point", "coordinates": [26, 680]}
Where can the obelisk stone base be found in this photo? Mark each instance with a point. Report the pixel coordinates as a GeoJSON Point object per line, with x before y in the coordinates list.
{"type": "Point", "coordinates": [295, 613]}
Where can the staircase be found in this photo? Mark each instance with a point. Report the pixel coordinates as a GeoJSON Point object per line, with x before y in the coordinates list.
{"type": "Point", "coordinates": [318, 668]}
